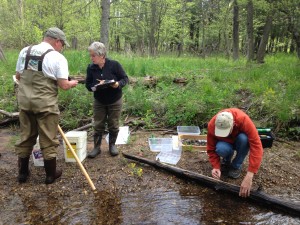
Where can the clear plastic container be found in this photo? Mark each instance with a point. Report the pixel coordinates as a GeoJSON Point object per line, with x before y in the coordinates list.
{"type": "Point", "coordinates": [160, 144]}
{"type": "Point", "coordinates": [188, 130]}
{"type": "Point", "coordinates": [169, 157]}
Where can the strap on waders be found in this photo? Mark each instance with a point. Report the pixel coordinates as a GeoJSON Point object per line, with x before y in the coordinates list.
{"type": "Point", "coordinates": [34, 57]}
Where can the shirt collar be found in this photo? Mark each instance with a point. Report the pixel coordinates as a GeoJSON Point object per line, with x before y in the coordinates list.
{"type": "Point", "coordinates": [47, 45]}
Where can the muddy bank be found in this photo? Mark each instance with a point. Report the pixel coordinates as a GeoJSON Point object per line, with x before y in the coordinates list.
{"type": "Point", "coordinates": [130, 193]}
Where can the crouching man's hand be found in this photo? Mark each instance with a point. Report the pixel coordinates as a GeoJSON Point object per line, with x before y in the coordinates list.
{"type": "Point", "coordinates": [216, 173]}
{"type": "Point", "coordinates": [246, 185]}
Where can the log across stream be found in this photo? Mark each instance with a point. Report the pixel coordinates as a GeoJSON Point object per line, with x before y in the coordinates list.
{"type": "Point", "coordinates": [217, 185]}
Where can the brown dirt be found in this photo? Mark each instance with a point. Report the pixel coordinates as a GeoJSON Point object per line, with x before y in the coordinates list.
{"type": "Point", "coordinates": [278, 175]}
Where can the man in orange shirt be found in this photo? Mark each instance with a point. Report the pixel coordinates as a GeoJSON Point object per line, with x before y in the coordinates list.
{"type": "Point", "coordinates": [229, 130]}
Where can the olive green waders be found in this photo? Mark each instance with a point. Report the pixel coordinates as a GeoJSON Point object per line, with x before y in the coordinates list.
{"type": "Point", "coordinates": [39, 115]}
{"type": "Point", "coordinates": [110, 114]}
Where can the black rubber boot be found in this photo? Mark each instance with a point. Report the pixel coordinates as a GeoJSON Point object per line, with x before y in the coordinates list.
{"type": "Point", "coordinates": [225, 167]}
{"type": "Point", "coordinates": [51, 172]}
{"type": "Point", "coordinates": [97, 143]}
{"type": "Point", "coordinates": [23, 169]}
{"type": "Point", "coordinates": [112, 147]}
{"type": "Point", "coordinates": [234, 173]}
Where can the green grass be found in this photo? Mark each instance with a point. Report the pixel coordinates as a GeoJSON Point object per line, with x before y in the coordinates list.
{"type": "Point", "coordinates": [273, 89]}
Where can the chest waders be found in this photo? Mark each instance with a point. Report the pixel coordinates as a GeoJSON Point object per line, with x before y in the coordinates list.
{"type": "Point", "coordinates": [39, 115]}
{"type": "Point", "coordinates": [37, 93]}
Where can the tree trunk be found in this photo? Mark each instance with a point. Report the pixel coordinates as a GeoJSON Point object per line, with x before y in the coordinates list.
{"type": "Point", "coordinates": [197, 37]}
{"type": "Point", "coordinates": [153, 25]}
{"type": "Point", "coordinates": [2, 56]}
{"type": "Point", "coordinates": [192, 33]}
{"type": "Point", "coordinates": [104, 33]}
{"type": "Point", "coordinates": [296, 36]}
{"type": "Point", "coordinates": [74, 43]}
{"type": "Point", "coordinates": [295, 31]}
{"type": "Point", "coordinates": [250, 39]}
{"type": "Point", "coordinates": [271, 43]}
{"type": "Point", "coordinates": [179, 49]}
{"type": "Point", "coordinates": [298, 47]}
{"type": "Point", "coordinates": [203, 23]}
{"type": "Point", "coordinates": [225, 33]}
{"type": "Point", "coordinates": [264, 40]}
{"type": "Point", "coordinates": [235, 30]}
{"type": "Point", "coordinates": [292, 47]}
{"type": "Point", "coordinates": [181, 35]}
{"type": "Point", "coordinates": [117, 43]}
{"type": "Point", "coordinates": [22, 21]}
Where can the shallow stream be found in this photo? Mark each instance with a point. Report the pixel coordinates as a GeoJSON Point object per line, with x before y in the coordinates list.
{"type": "Point", "coordinates": [187, 206]}
{"type": "Point", "coordinates": [70, 201]}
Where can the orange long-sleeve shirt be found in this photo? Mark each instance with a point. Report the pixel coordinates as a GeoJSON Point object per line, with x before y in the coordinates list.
{"type": "Point", "coordinates": [242, 124]}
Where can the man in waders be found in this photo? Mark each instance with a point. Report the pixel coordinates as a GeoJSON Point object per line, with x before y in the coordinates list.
{"type": "Point", "coordinates": [40, 70]}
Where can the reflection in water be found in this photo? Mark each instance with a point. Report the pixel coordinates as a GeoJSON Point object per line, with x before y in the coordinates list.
{"type": "Point", "coordinates": [195, 206]}
{"type": "Point", "coordinates": [274, 219]}
{"type": "Point", "coordinates": [160, 208]}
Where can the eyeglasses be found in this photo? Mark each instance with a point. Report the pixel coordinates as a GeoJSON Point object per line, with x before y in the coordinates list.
{"type": "Point", "coordinates": [62, 42]}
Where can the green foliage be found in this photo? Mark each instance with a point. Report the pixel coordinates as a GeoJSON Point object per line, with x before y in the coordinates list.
{"type": "Point", "coordinates": [148, 119]}
{"type": "Point", "coordinates": [214, 84]}
{"type": "Point", "coordinates": [294, 133]}
{"type": "Point", "coordinates": [272, 89]}
{"type": "Point", "coordinates": [77, 61]}
{"type": "Point", "coordinates": [149, 27]}
{"type": "Point", "coordinates": [137, 101]}
{"type": "Point", "coordinates": [25, 21]}
{"type": "Point", "coordinates": [135, 170]}
{"type": "Point", "coordinates": [76, 106]}
{"type": "Point", "coordinates": [7, 70]}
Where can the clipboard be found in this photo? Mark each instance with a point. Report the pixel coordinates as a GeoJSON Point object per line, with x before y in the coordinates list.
{"type": "Point", "coordinates": [107, 83]}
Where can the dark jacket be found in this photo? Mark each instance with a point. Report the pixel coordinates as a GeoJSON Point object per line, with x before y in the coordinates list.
{"type": "Point", "coordinates": [112, 70]}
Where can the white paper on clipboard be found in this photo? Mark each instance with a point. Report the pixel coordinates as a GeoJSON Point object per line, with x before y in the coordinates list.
{"type": "Point", "coordinates": [123, 136]}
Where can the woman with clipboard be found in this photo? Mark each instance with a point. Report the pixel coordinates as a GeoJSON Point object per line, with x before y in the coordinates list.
{"type": "Point", "coordinates": [105, 78]}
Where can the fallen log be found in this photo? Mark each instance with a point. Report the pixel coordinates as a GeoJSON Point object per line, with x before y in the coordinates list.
{"type": "Point", "coordinates": [217, 185]}
{"type": "Point", "coordinates": [150, 82]}
{"type": "Point", "coordinates": [12, 115]}
{"type": "Point", "coordinates": [84, 127]}
{"type": "Point", "coordinates": [79, 78]}
{"type": "Point", "coordinates": [7, 121]}
{"type": "Point", "coordinates": [180, 80]}
{"type": "Point", "coordinates": [135, 121]}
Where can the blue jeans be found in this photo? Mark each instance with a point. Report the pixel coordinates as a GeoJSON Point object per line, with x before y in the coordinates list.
{"type": "Point", "coordinates": [226, 150]}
